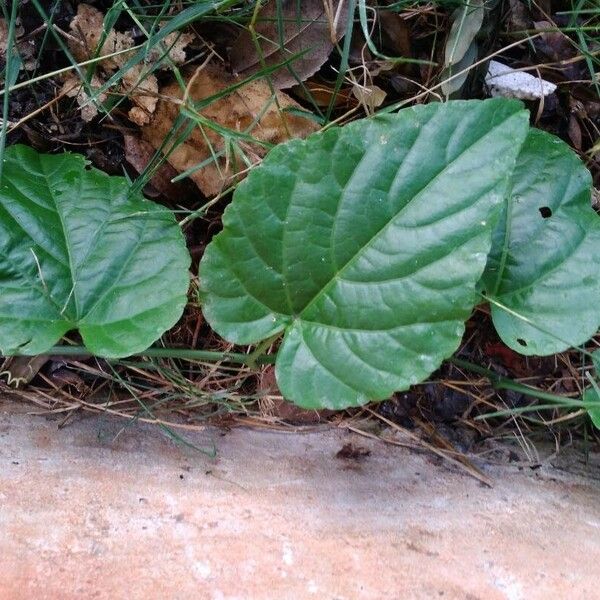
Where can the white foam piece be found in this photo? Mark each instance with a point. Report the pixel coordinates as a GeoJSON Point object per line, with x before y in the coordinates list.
{"type": "Point", "coordinates": [505, 81]}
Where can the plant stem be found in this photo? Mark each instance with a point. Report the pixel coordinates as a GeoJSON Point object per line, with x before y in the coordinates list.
{"type": "Point", "coordinates": [181, 353]}
{"type": "Point", "coordinates": [252, 359]}
{"type": "Point", "coordinates": [502, 383]}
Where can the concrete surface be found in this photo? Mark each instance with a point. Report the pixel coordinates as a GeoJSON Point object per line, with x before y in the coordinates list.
{"type": "Point", "coordinates": [87, 515]}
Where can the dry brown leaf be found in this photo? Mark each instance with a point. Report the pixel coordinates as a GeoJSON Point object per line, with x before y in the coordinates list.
{"type": "Point", "coordinates": [73, 88]}
{"type": "Point", "coordinates": [574, 131]}
{"type": "Point", "coordinates": [142, 89]}
{"type": "Point", "coordinates": [320, 24]}
{"type": "Point", "coordinates": [175, 43]}
{"type": "Point", "coordinates": [26, 49]}
{"type": "Point", "coordinates": [322, 93]}
{"type": "Point", "coordinates": [518, 17]}
{"type": "Point", "coordinates": [139, 153]}
{"type": "Point", "coordinates": [138, 82]}
{"type": "Point", "coordinates": [369, 96]}
{"type": "Point", "coordinates": [248, 109]}
{"type": "Point", "coordinates": [138, 116]}
{"type": "Point", "coordinates": [396, 32]}
{"type": "Point", "coordinates": [20, 370]}
{"type": "Point", "coordinates": [87, 29]}
{"type": "Point", "coordinates": [557, 47]}
{"type": "Point", "coordinates": [3, 36]}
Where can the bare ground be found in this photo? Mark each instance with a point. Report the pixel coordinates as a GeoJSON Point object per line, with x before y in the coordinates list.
{"type": "Point", "coordinates": [93, 510]}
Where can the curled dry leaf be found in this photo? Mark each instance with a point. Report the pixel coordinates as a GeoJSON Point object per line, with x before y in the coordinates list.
{"type": "Point", "coordinates": [518, 17]}
{"type": "Point", "coordinates": [558, 48]}
{"type": "Point", "coordinates": [20, 370]}
{"type": "Point", "coordinates": [250, 108]}
{"type": "Point", "coordinates": [89, 39]}
{"type": "Point", "coordinates": [369, 96]}
{"type": "Point", "coordinates": [139, 153]}
{"type": "Point", "coordinates": [395, 32]}
{"type": "Point", "coordinates": [136, 82]}
{"type": "Point", "coordinates": [3, 36]}
{"type": "Point", "coordinates": [311, 28]}
{"type": "Point", "coordinates": [26, 49]}
{"type": "Point", "coordinates": [574, 131]}
{"type": "Point", "coordinates": [175, 43]}
{"type": "Point", "coordinates": [322, 92]}
{"type": "Point", "coordinates": [73, 88]}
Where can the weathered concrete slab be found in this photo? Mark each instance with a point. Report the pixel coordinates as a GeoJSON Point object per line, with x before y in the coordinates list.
{"type": "Point", "coordinates": [86, 515]}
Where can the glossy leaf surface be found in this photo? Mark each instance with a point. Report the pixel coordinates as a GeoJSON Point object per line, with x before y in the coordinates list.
{"type": "Point", "coordinates": [543, 275]}
{"type": "Point", "coordinates": [364, 245]}
{"type": "Point", "coordinates": [77, 253]}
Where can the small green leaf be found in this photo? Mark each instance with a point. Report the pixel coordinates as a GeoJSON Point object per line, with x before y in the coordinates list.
{"type": "Point", "coordinates": [77, 252]}
{"type": "Point", "coordinates": [364, 245]}
{"type": "Point", "coordinates": [543, 275]}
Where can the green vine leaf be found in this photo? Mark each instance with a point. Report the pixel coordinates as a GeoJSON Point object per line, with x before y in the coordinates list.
{"type": "Point", "coordinates": [77, 252]}
{"type": "Point", "coordinates": [543, 275]}
{"type": "Point", "coordinates": [364, 245]}
{"type": "Point", "coordinates": [591, 401]}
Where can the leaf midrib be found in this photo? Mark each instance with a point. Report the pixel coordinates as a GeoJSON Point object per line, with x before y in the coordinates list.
{"type": "Point", "coordinates": [68, 248]}
{"type": "Point", "coordinates": [117, 278]}
{"type": "Point", "coordinates": [419, 194]}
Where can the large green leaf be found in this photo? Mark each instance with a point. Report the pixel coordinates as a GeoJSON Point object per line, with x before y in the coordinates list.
{"type": "Point", "coordinates": [364, 244]}
{"type": "Point", "coordinates": [76, 252]}
{"type": "Point", "coordinates": [543, 276]}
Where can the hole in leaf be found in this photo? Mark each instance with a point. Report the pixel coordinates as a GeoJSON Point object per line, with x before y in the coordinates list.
{"type": "Point", "coordinates": [545, 211]}
{"type": "Point", "coordinates": [521, 341]}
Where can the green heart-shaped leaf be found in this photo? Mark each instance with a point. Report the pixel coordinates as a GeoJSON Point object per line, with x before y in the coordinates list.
{"type": "Point", "coordinates": [77, 252]}
{"type": "Point", "coordinates": [364, 244]}
{"type": "Point", "coordinates": [543, 274]}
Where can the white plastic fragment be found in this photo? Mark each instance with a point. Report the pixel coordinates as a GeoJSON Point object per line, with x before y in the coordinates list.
{"type": "Point", "coordinates": [505, 81]}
